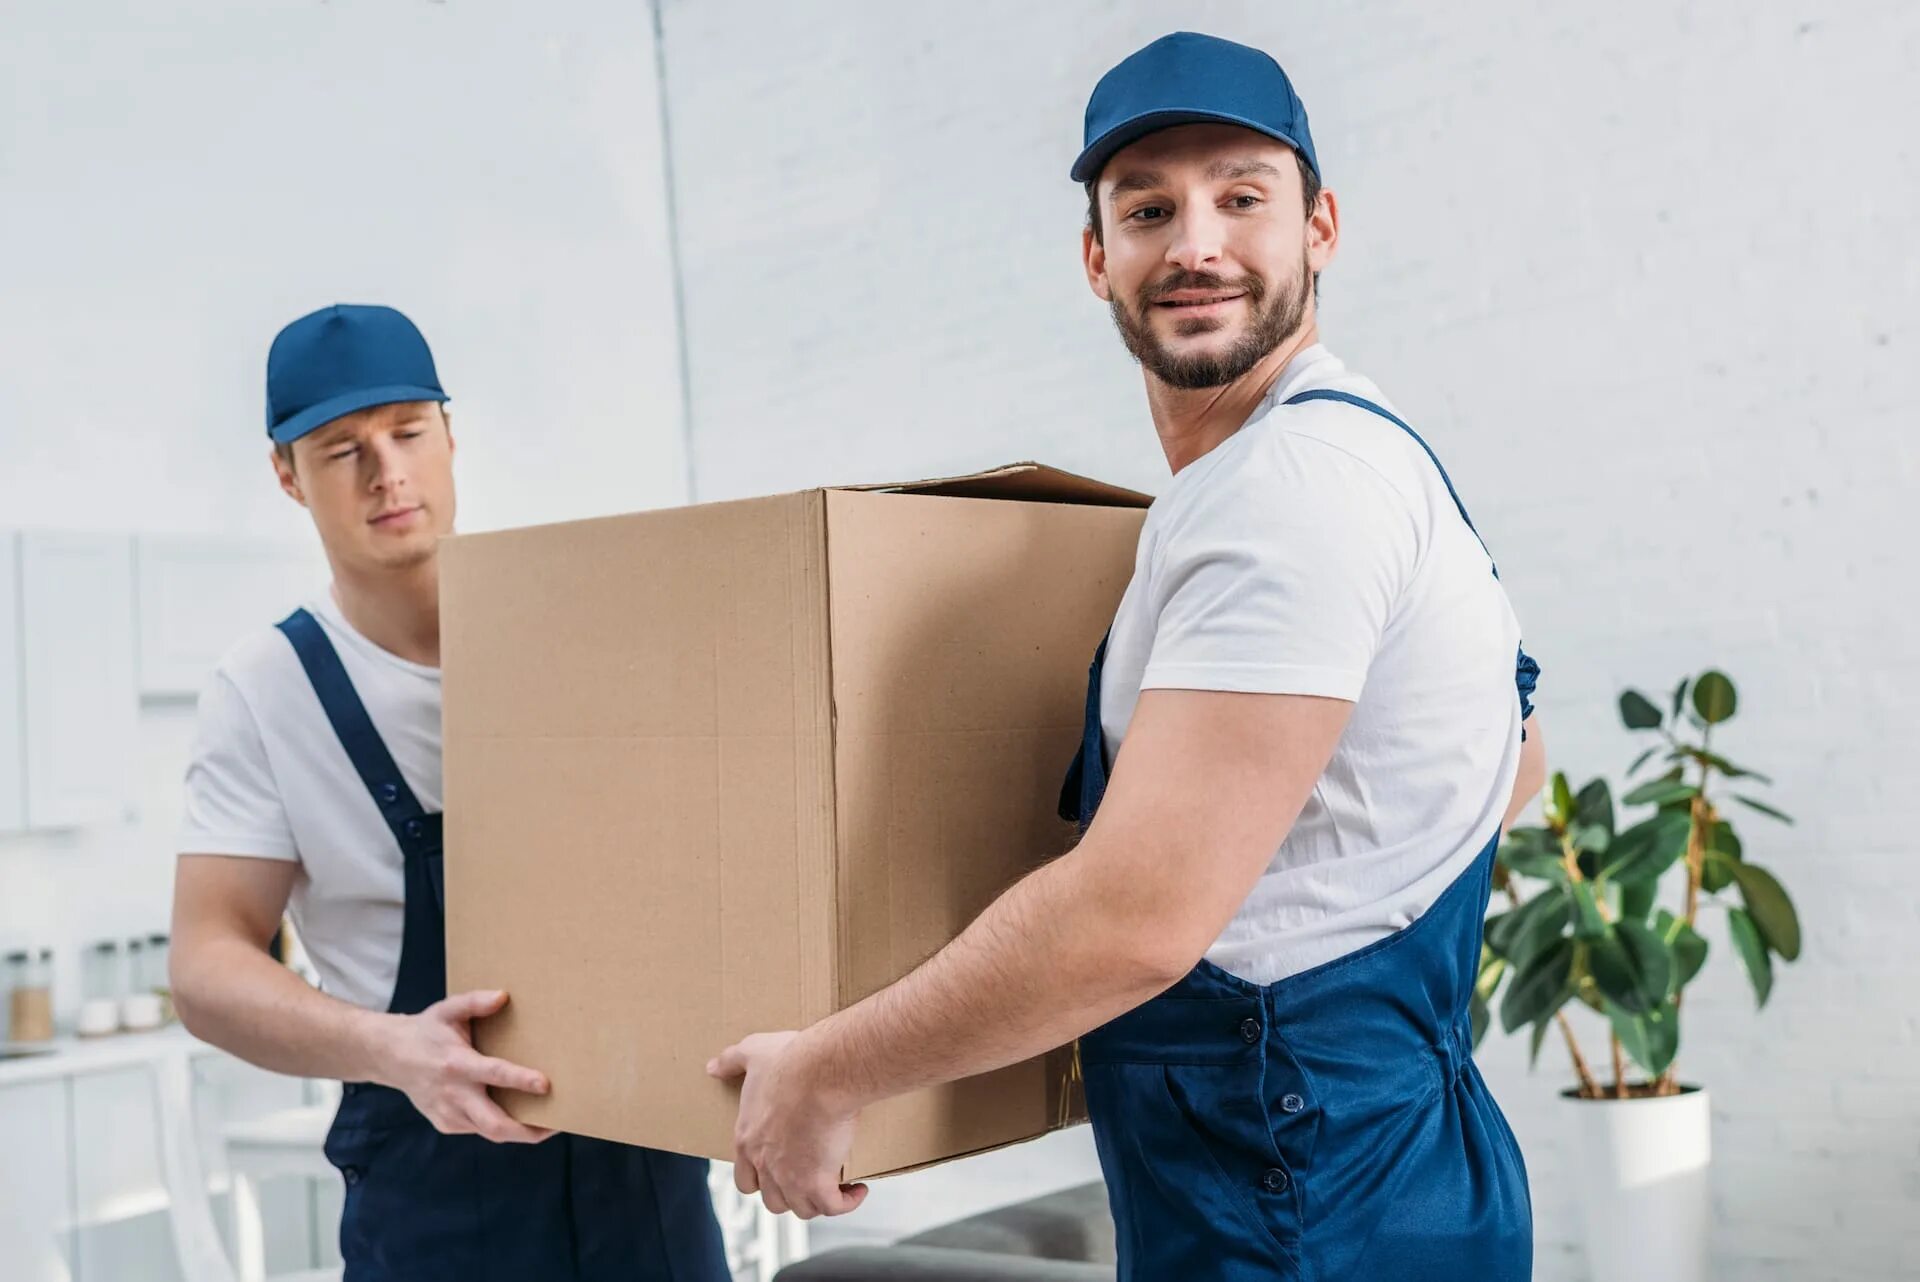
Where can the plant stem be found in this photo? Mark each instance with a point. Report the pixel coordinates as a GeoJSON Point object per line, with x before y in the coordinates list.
{"type": "Point", "coordinates": [1700, 817]}
{"type": "Point", "coordinates": [1619, 1069]}
{"type": "Point", "coordinates": [1589, 1089]}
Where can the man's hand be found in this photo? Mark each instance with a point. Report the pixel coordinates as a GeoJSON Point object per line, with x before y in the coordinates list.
{"type": "Point", "coordinates": [790, 1141]}
{"type": "Point", "coordinates": [431, 1057]}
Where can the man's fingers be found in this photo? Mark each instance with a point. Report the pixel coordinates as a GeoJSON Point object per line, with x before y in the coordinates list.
{"type": "Point", "coordinates": [731, 1062]}
{"type": "Point", "coordinates": [770, 1194]}
{"type": "Point", "coordinates": [827, 1197]}
{"type": "Point", "coordinates": [842, 1198]}
{"type": "Point", "coordinates": [491, 1122]}
{"type": "Point", "coordinates": [498, 1072]}
{"type": "Point", "coordinates": [472, 1005]}
{"type": "Point", "coordinates": [745, 1178]}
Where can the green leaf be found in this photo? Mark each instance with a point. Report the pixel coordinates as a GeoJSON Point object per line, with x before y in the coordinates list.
{"type": "Point", "coordinates": [1722, 838]}
{"type": "Point", "coordinates": [1771, 910]}
{"type": "Point", "coordinates": [1526, 931]}
{"type": "Point", "coordinates": [1641, 760]}
{"type": "Point", "coordinates": [1533, 852]}
{"type": "Point", "coordinates": [1493, 968]}
{"type": "Point", "coordinates": [1680, 696]}
{"type": "Point", "coordinates": [1636, 898]}
{"type": "Point", "coordinates": [1716, 871]}
{"type": "Point", "coordinates": [1660, 792]}
{"type": "Point", "coordinates": [1651, 1038]}
{"type": "Point", "coordinates": [1591, 837]}
{"type": "Point", "coordinates": [1752, 951]}
{"type": "Point", "coordinates": [1647, 849]}
{"type": "Point", "coordinates": [1724, 766]}
{"type": "Point", "coordinates": [1562, 798]}
{"type": "Point", "coordinates": [1637, 711]}
{"type": "Point", "coordinates": [1540, 1027]}
{"type": "Point", "coordinates": [1713, 697]}
{"type": "Point", "coordinates": [1764, 809]}
{"type": "Point", "coordinates": [1593, 806]}
{"type": "Point", "coordinates": [1587, 921]}
{"type": "Point", "coordinates": [1542, 986]}
{"type": "Point", "coordinates": [1688, 945]}
{"type": "Point", "coordinates": [1480, 1016]}
{"type": "Point", "coordinates": [1632, 965]}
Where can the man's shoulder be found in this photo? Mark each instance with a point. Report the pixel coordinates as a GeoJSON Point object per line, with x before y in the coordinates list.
{"type": "Point", "coordinates": [1339, 434]}
{"type": "Point", "coordinates": [258, 663]}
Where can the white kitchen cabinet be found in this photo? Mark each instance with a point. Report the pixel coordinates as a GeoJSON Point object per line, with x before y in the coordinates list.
{"type": "Point", "coordinates": [200, 594]}
{"type": "Point", "coordinates": [76, 630]}
{"type": "Point", "coordinates": [13, 730]}
{"type": "Point", "coordinates": [36, 1183]}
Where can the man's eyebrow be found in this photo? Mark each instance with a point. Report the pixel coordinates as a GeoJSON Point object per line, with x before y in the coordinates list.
{"type": "Point", "coordinates": [1218, 171]}
{"type": "Point", "coordinates": [1225, 169]}
{"type": "Point", "coordinates": [1138, 180]}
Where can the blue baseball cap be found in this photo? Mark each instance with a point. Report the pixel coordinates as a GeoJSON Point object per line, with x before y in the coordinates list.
{"type": "Point", "coordinates": [1190, 79]}
{"type": "Point", "coordinates": [344, 358]}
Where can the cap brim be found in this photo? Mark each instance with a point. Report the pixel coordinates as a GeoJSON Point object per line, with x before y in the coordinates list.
{"type": "Point", "coordinates": [317, 416]}
{"type": "Point", "coordinates": [1134, 128]}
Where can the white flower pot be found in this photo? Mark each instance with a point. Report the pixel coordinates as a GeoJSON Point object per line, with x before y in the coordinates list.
{"type": "Point", "coordinates": [1642, 1186]}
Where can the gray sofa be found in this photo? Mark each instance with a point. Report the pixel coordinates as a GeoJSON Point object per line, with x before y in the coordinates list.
{"type": "Point", "coordinates": [1062, 1237]}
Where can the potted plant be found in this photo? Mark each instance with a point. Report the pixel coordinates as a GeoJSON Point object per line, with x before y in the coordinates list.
{"type": "Point", "coordinates": [1580, 919]}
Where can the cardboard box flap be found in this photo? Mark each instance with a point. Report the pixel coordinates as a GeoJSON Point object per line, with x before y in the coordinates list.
{"type": "Point", "coordinates": [1032, 482]}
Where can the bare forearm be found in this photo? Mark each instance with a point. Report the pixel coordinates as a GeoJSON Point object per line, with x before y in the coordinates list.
{"type": "Point", "coordinates": [1532, 775]}
{"type": "Point", "coordinates": [237, 997]}
{"type": "Point", "coordinates": [1052, 958]}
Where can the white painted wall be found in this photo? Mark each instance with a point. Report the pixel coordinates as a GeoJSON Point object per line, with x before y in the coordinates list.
{"type": "Point", "coordinates": [1645, 274]}
{"type": "Point", "coordinates": [176, 183]}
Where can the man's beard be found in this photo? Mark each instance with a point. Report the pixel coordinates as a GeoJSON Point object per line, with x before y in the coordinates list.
{"type": "Point", "coordinates": [1269, 327]}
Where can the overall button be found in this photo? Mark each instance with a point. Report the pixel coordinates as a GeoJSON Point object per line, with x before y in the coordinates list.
{"type": "Point", "coordinates": [1249, 1030]}
{"type": "Point", "coordinates": [350, 1088]}
{"type": "Point", "coordinates": [413, 828]}
{"type": "Point", "coordinates": [389, 793]}
{"type": "Point", "coordinates": [1291, 1103]}
{"type": "Point", "coordinates": [351, 1173]}
{"type": "Point", "coordinates": [1275, 1180]}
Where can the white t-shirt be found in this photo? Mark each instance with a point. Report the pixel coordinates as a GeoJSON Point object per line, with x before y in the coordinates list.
{"type": "Point", "coordinates": [1317, 552]}
{"type": "Point", "coordinates": [270, 780]}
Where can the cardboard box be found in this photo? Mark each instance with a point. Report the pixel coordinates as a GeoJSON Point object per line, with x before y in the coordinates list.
{"type": "Point", "coordinates": [730, 768]}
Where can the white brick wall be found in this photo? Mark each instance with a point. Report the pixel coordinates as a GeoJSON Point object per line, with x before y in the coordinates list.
{"type": "Point", "coordinates": [1646, 275]}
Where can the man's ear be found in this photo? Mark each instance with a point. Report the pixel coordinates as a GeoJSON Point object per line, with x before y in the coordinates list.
{"type": "Point", "coordinates": [446, 420]}
{"type": "Point", "coordinates": [288, 478]}
{"type": "Point", "coordinates": [1093, 256]}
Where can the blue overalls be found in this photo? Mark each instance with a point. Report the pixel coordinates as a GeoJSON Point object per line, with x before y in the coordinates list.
{"type": "Point", "coordinates": [1330, 1127]}
{"type": "Point", "coordinates": [422, 1206]}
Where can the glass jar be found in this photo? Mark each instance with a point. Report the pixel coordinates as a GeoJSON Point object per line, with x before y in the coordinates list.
{"type": "Point", "coordinates": [103, 980]}
{"type": "Point", "coordinates": [30, 997]}
{"type": "Point", "coordinates": [140, 1007]}
{"type": "Point", "coordinates": [159, 983]}
{"type": "Point", "coordinates": [13, 978]}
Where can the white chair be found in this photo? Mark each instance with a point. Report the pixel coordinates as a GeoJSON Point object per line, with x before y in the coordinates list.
{"type": "Point", "coordinates": [289, 1143]}
{"type": "Point", "coordinates": [279, 1144]}
{"type": "Point", "coordinates": [198, 1249]}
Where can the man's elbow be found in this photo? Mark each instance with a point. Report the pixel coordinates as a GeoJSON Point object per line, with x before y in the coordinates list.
{"type": "Point", "coordinates": [187, 986]}
{"type": "Point", "coordinates": [1157, 954]}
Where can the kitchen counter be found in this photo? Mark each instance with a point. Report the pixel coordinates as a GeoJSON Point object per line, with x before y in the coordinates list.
{"type": "Point", "coordinates": [75, 1056]}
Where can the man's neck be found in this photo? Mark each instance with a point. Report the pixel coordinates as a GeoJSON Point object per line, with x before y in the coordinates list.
{"type": "Point", "coordinates": [397, 610]}
{"type": "Point", "coordinates": [1191, 422]}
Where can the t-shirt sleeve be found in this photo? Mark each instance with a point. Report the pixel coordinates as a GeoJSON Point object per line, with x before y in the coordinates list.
{"type": "Point", "coordinates": [233, 806]}
{"type": "Point", "coordinates": [1282, 577]}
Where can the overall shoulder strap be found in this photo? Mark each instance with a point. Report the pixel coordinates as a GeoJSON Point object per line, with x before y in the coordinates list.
{"type": "Point", "coordinates": [1328, 394]}
{"type": "Point", "coordinates": [355, 729]}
